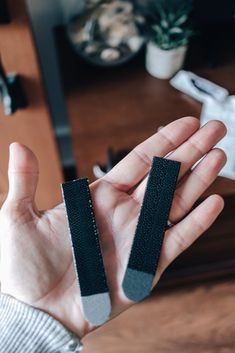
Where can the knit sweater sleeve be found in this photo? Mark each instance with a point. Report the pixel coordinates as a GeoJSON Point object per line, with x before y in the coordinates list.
{"type": "Point", "coordinates": [24, 329]}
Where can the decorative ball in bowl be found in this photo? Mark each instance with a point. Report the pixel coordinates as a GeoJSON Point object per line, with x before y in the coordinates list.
{"type": "Point", "coordinates": [107, 34]}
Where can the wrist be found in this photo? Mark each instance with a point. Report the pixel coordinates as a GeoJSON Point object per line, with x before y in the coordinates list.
{"type": "Point", "coordinates": [69, 315]}
{"type": "Point", "coordinates": [37, 330]}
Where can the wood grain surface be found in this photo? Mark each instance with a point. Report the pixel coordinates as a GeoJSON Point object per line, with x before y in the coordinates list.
{"type": "Point", "coordinates": [193, 320]}
{"type": "Point", "coordinates": [30, 126]}
{"type": "Point", "coordinates": [120, 107]}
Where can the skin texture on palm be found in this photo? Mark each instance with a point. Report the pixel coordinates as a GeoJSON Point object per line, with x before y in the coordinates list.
{"type": "Point", "coordinates": [36, 258]}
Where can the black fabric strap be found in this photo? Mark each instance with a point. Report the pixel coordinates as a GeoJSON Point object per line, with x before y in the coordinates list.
{"type": "Point", "coordinates": [152, 223]}
{"type": "Point", "coordinates": [86, 249]}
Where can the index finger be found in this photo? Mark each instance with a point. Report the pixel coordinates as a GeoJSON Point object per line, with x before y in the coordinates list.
{"type": "Point", "coordinates": [131, 170]}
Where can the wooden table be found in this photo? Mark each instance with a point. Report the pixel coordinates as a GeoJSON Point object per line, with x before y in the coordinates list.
{"type": "Point", "coordinates": [120, 108]}
{"type": "Point", "coordinates": [193, 320]}
{"type": "Point", "coordinates": [30, 126]}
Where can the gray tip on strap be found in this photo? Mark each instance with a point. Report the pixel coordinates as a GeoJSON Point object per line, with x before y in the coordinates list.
{"type": "Point", "coordinates": [137, 284]}
{"type": "Point", "coordinates": [97, 308]}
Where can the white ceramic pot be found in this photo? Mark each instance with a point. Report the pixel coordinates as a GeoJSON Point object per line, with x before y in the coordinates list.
{"type": "Point", "coordinates": [164, 63]}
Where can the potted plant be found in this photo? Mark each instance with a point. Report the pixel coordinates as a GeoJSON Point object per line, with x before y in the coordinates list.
{"type": "Point", "coordinates": [170, 31]}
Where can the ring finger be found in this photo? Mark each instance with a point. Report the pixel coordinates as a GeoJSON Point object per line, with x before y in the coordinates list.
{"type": "Point", "coordinates": [196, 183]}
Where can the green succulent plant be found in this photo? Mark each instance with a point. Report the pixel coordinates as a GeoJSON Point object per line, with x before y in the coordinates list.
{"type": "Point", "coordinates": [170, 23]}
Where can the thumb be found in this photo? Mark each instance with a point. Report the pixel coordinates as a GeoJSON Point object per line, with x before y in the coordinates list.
{"type": "Point", "coordinates": [23, 173]}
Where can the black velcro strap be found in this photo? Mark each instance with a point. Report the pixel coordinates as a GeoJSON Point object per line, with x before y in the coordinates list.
{"type": "Point", "coordinates": [86, 247]}
{"type": "Point", "coordinates": [152, 223]}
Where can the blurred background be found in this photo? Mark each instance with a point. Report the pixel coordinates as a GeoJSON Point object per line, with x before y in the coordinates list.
{"type": "Point", "coordinates": [81, 83]}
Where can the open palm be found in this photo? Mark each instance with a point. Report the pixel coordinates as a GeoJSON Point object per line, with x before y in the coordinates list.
{"type": "Point", "coordinates": [36, 259]}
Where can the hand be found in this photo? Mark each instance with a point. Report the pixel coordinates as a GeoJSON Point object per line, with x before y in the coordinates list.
{"type": "Point", "coordinates": [36, 260]}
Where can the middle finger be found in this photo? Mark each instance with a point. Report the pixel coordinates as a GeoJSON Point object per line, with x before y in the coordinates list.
{"type": "Point", "coordinates": [191, 151]}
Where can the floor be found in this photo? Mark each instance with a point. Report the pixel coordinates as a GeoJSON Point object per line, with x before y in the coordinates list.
{"type": "Point", "coordinates": [192, 320]}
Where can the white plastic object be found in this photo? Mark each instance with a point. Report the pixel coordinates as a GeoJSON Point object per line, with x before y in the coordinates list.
{"type": "Point", "coordinates": [198, 87]}
{"type": "Point", "coordinates": [225, 112]}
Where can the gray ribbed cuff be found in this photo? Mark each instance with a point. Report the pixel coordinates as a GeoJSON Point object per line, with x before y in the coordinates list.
{"type": "Point", "coordinates": [26, 329]}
